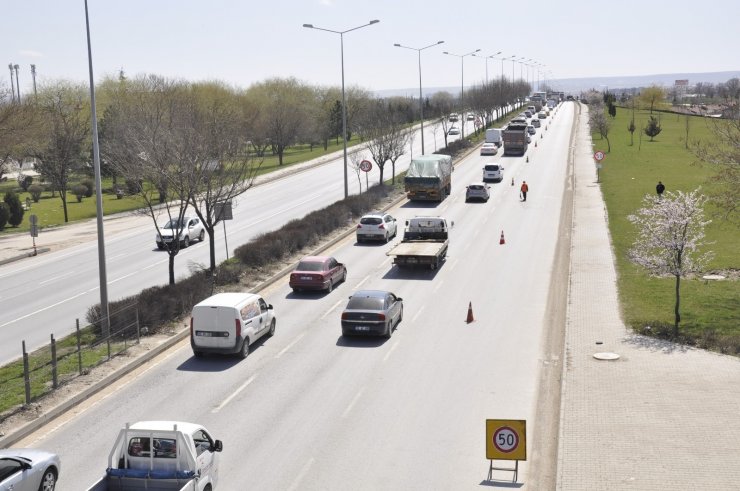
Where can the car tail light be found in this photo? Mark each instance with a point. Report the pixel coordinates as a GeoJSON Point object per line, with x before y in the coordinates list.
{"type": "Point", "coordinates": [345, 316]}
{"type": "Point", "coordinates": [238, 326]}
{"type": "Point", "coordinates": [381, 317]}
{"type": "Point", "coordinates": [191, 327]}
{"type": "Point", "coordinates": [381, 226]}
{"type": "Point", "coordinates": [359, 225]}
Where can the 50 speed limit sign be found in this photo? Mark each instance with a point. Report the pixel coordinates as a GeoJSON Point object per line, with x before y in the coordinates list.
{"type": "Point", "coordinates": [366, 166]}
{"type": "Point", "coordinates": [599, 156]}
{"type": "Point", "coordinates": [506, 439]}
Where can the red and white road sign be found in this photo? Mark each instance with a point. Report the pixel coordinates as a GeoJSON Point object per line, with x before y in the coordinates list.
{"type": "Point", "coordinates": [505, 439]}
{"type": "Point", "coordinates": [366, 166]}
{"type": "Point", "coordinates": [599, 155]}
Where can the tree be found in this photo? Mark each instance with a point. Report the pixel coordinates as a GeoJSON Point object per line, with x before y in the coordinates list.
{"type": "Point", "coordinates": [355, 157]}
{"type": "Point", "coordinates": [61, 146]}
{"type": "Point", "coordinates": [15, 208]}
{"type": "Point", "coordinates": [631, 128]}
{"type": "Point", "coordinates": [380, 129]}
{"type": "Point", "coordinates": [4, 215]}
{"type": "Point", "coordinates": [612, 110]}
{"type": "Point", "coordinates": [652, 95]}
{"type": "Point", "coordinates": [722, 152]}
{"type": "Point", "coordinates": [18, 123]}
{"type": "Point", "coordinates": [670, 234]}
{"type": "Point", "coordinates": [652, 129]}
{"type": "Point", "coordinates": [600, 123]}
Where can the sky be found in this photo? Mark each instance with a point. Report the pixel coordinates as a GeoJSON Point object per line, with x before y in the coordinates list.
{"type": "Point", "coordinates": [241, 42]}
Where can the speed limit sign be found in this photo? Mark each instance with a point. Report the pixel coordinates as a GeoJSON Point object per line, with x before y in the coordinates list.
{"type": "Point", "coordinates": [599, 155]}
{"type": "Point", "coordinates": [366, 166]}
{"type": "Point", "coordinates": [506, 439]}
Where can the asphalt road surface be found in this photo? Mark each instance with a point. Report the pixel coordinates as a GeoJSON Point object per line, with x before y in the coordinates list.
{"type": "Point", "coordinates": [46, 295]}
{"type": "Point", "coordinates": [310, 409]}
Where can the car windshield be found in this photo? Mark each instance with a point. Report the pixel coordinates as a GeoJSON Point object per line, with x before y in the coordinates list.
{"type": "Point", "coordinates": [310, 266]}
{"type": "Point", "coordinates": [371, 221]}
{"type": "Point", "coordinates": [365, 303]}
{"type": "Point", "coordinates": [175, 224]}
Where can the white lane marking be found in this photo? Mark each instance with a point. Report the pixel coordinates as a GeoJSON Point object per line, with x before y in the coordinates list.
{"type": "Point", "coordinates": [46, 308]}
{"type": "Point", "coordinates": [301, 475]}
{"type": "Point", "coordinates": [234, 394]}
{"type": "Point", "coordinates": [331, 309]}
{"type": "Point", "coordinates": [54, 278]}
{"type": "Point", "coordinates": [285, 350]}
{"type": "Point", "coordinates": [439, 284]}
{"type": "Point", "coordinates": [352, 403]}
{"type": "Point", "coordinates": [358, 285]}
{"type": "Point", "coordinates": [388, 355]}
{"type": "Point", "coordinates": [157, 263]}
{"type": "Point", "coordinates": [122, 277]}
{"type": "Point", "coordinates": [418, 313]}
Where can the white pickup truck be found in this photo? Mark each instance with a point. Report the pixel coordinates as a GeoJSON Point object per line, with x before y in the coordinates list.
{"type": "Point", "coordinates": [425, 242]}
{"type": "Point", "coordinates": [162, 456]}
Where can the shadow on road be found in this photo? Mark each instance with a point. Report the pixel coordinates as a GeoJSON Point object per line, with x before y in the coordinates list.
{"type": "Point", "coordinates": [215, 362]}
{"type": "Point", "coordinates": [423, 273]}
{"type": "Point", "coordinates": [361, 341]}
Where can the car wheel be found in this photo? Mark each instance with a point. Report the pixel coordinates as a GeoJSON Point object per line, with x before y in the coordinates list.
{"type": "Point", "coordinates": [330, 287]}
{"type": "Point", "coordinates": [186, 242]}
{"type": "Point", "coordinates": [389, 330]}
{"type": "Point", "coordinates": [344, 276]}
{"type": "Point", "coordinates": [160, 246]}
{"type": "Point", "coordinates": [296, 290]}
{"type": "Point", "coordinates": [198, 354]}
{"type": "Point", "coordinates": [271, 332]}
{"type": "Point", "coordinates": [400, 316]}
{"type": "Point", "coordinates": [245, 349]}
{"type": "Point", "coordinates": [202, 236]}
{"type": "Point", "coordinates": [49, 481]}
{"type": "Point", "coordinates": [386, 237]}
{"type": "Point", "coordinates": [359, 240]}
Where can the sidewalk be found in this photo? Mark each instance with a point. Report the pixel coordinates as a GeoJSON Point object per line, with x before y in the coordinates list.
{"type": "Point", "coordinates": [662, 416]}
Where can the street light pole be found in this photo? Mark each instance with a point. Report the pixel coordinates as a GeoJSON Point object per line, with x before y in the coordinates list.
{"type": "Point", "coordinates": [17, 85]}
{"type": "Point", "coordinates": [462, 88]}
{"type": "Point", "coordinates": [12, 87]}
{"type": "Point", "coordinates": [33, 76]}
{"type": "Point", "coordinates": [344, 99]}
{"type": "Point", "coordinates": [421, 100]}
{"type": "Point", "coordinates": [486, 58]}
{"type": "Point", "coordinates": [98, 190]}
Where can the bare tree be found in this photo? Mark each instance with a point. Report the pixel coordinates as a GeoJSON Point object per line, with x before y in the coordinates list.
{"type": "Point", "coordinates": [670, 234]}
{"type": "Point", "coordinates": [355, 157]}
{"type": "Point", "coordinates": [61, 143]}
{"type": "Point", "coordinates": [411, 138]}
{"type": "Point", "coordinates": [400, 137]}
{"type": "Point", "coordinates": [380, 128]}
{"type": "Point", "coordinates": [600, 123]}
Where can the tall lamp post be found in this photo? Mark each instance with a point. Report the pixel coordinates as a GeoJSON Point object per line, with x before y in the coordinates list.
{"type": "Point", "coordinates": [12, 87]}
{"type": "Point", "coordinates": [486, 58]}
{"type": "Point", "coordinates": [421, 100]}
{"type": "Point", "coordinates": [462, 88]}
{"type": "Point", "coordinates": [33, 76]}
{"type": "Point", "coordinates": [17, 85]}
{"type": "Point", "coordinates": [98, 190]}
{"type": "Point", "coordinates": [344, 100]}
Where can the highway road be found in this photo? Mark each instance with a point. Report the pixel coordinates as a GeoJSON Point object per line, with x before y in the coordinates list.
{"type": "Point", "coordinates": [309, 409]}
{"type": "Point", "coordinates": [45, 295]}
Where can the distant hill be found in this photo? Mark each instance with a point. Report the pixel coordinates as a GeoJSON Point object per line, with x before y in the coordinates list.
{"type": "Point", "coordinates": [578, 85]}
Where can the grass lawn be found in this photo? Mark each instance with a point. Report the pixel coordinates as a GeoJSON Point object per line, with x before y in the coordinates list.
{"type": "Point", "coordinates": [710, 312]}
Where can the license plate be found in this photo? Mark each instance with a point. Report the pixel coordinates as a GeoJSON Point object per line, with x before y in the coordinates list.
{"type": "Point", "coordinates": [205, 334]}
{"type": "Point", "coordinates": [362, 328]}
{"type": "Point", "coordinates": [306, 278]}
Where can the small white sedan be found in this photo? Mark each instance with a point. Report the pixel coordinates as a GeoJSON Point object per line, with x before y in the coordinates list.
{"type": "Point", "coordinates": [489, 149]}
{"type": "Point", "coordinates": [26, 469]}
{"type": "Point", "coordinates": [188, 229]}
{"type": "Point", "coordinates": [477, 191]}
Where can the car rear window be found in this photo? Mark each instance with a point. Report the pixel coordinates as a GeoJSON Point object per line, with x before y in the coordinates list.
{"type": "Point", "coordinates": [371, 221]}
{"type": "Point", "coordinates": [475, 187]}
{"type": "Point", "coordinates": [365, 303]}
{"type": "Point", "coordinates": [310, 266]}
{"type": "Point", "coordinates": [492, 167]}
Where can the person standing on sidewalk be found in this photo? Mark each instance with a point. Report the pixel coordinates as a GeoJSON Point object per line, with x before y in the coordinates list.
{"type": "Point", "coordinates": [524, 190]}
{"type": "Point", "coordinates": [659, 189]}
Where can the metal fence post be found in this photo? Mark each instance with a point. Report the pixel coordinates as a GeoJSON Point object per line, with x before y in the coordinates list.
{"type": "Point", "coordinates": [54, 380]}
{"type": "Point", "coordinates": [138, 328]}
{"type": "Point", "coordinates": [110, 334]}
{"type": "Point", "coordinates": [26, 375]}
{"type": "Point", "coordinates": [79, 348]}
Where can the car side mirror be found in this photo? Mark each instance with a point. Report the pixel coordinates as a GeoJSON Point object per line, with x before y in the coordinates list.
{"type": "Point", "coordinates": [218, 446]}
{"type": "Point", "coordinates": [399, 299]}
{"type": "Point", "coordinates": [269, 306]}
{"type": "Point", "coordinates": [407, 223]}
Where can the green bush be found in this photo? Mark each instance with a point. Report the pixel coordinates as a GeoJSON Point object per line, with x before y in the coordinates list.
{"type": "Point", "coordinates": [133, 186]}
{"type": "Point", "coordinates": [35, 190]}
{"type": "Point", "coordinates": [24, 181]}
{"type": "Point", "coordinates": [15, 208]}
{"type": "Point", "coordinates": [80, 191]}
{"type": "Point", "coordinates": [90, 187]}
{"type": "Point", "coordinates": [4, 215]}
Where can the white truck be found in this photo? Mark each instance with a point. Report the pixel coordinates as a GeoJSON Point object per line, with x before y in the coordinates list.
{"type": "Point", "coordinates": [425, 242]}
{"type": "Point", "coordinates": [162, 456]}
{"type": "Point", "coordinates": [494, 135]}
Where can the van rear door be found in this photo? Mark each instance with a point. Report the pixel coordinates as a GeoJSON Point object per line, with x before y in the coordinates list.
{"type": "Point", "coordinates": [214, 326]}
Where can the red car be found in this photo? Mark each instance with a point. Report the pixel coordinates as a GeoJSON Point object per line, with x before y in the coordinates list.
{"type": "Point", "coordinates": [317, 273]}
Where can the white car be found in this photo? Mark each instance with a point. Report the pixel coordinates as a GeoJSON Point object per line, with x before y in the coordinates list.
{"type": "Point", "coordinates": [489, 149]}
{"type": "Point", "coordinates": [493, 172]}
{"type": "Point", "coordinates": [531, 130]}
{"type": "Point", "coordinates": [376, 226]}
{"type": "Point", "coordinates": [25, 469]}
{"type": "Point", "coordinates": [190, 229]}
{"type": "Point", "coordinates": [453, 131]}
{"type": "Point", "coordinates": [477, 191]}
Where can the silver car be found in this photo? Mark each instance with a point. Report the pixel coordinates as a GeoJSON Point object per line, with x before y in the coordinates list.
{"type": "Point", "coordinates": [189, 229]}
{"type": "Point", "coordinates": [26, 469]}
{"type": "Point", "coordinates": [376, 226]}
{"type": "Point", "coordinates": [479, 191]}
{"type": "Point", "coordinates": [372, 312]}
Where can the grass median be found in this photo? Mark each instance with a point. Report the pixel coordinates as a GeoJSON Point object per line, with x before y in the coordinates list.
{"type": "Point", "coordinates": [710, 310]}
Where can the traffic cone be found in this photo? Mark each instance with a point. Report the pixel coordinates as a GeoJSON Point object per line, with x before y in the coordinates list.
{"type": "Point", "coordinates": [470, 319]}
{"type": "Point", "coordinates": [535, 144]}
{"type": "Point", "coordinates": [512, 179]}
{"type": "Point", "coordinates": [502, 241]}
{"type": "Point", "coordinates": [541, 135]}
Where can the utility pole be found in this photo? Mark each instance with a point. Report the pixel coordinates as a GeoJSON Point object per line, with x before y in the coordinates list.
{"type": "Point", "coordinates": [33, 76]}
{"type": "Point", "coordinates": [17, 85]}
{"type": "Point", "coordinates": [12, 87]}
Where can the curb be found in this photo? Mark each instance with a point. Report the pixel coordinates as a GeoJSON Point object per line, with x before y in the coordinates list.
{"type": "Point", "coordinates": [24, 255]}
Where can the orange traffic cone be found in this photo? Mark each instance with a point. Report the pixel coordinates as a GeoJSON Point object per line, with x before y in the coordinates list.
{"type": "Point", "coordinates": [470, 319]}
{"type": "Point", "coordinates": [502, 241]}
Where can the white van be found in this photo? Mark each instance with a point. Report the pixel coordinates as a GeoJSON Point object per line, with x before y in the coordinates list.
{"type": "Point", "coordinates": [229, 323]}
{"type": "Point", "coordinates": [493, 135]}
